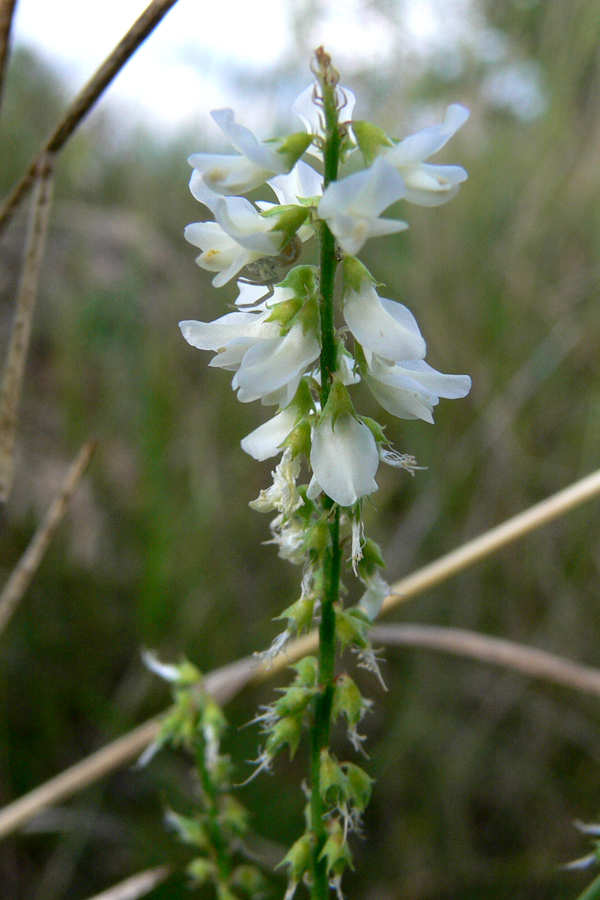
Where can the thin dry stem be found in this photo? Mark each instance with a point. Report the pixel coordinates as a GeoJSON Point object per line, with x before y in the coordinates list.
{"type": "Point", "coordinates": [14, 371]}
{"type": "Point", "coordinates": [87, 97]}
{"type": "Point", "coordinates": [7, 8]}
{"type": "Point", "coordinates": [228, 681]}
{"type": "Point", "coordinates": [528, 660]}
{"type": "Point", "coordinates": [20, 577]}
{"type": "Point", "coordinates": [137, 886]}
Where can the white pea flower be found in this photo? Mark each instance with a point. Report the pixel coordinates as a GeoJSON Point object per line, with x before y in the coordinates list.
{"type": "Point", "coordinates": [302, 183]}
{"type": "Point", "coordinates": [411, 389]}
{"type": "Point", "coordinates": [231, 336]}
{"type": "Point", "coordinates": [257, 161]}
{"type": "Point", "coordinates": [344, 459]}
{"type": "Point", "coordinates": [271, 369]}
{"type": "Point", "coordinates": [427, 184]}
{"type": "Point", "coordinates": [289, 535]}
{"type": "Point", "coordinates": [266, 440]}
{"type": "Point", "coordinates": [283, 494]}
{"type": "Point", "coordinates": [382, 326]}
{"type": "Point", "coordinates": [353, 205]}
{"type": "Point", "coordinates": [223, 254]}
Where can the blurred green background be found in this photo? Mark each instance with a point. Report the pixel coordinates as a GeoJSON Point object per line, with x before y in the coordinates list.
{"type": "Point", "coordinates": [480, 773]}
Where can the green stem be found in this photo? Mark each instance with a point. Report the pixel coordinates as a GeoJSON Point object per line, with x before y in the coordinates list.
{"type": "Point", "coordinates": [321, 728]}
{"type": "Point", "coordinates": [219, 849]}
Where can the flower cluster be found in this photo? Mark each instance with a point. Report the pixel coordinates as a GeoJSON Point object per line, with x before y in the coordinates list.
{"type": "Point", "coordinates": [273, 341]}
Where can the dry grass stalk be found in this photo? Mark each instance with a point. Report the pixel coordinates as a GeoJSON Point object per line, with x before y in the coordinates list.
{"type": "Point", "coordinates": [86, 98]}
{"type": "Point", "coordinates": [7, 8]}
{"type": "Point", "coordinates": [20, 577]}
{"type": "Point", "coordinates": [137, 886]}
{"type": "Point", "coordinates": [528, 660]}
{"type": "Point", "coordinates": [10, 396]}
{"type": "Point", "coordinates": [228, 681]}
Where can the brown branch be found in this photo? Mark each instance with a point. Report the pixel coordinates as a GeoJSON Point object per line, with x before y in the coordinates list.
{"type": "Point", "coordinates": [12, 382]}
{"type": "Point", "coordinates": [21, 576]}
{"type": "Point", "coordinates": [228, 681]}
{"type": "Point", "coordinates": [137, 886]}
{"type": "Point", "coordinates": [528, 660]}
{"type": "Point", "coordinates": [87, 97]}
{"type": "Point", "coordinates": [7, 8]}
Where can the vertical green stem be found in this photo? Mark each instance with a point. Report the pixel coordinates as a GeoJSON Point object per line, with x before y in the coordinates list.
{"type": "Point", "coordinates": [332, 558]}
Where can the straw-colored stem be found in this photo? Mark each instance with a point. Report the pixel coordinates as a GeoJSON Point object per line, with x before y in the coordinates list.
{"type": "Point", "coordinates": [228, 681]}
{"type": "Point", "coordinates": [7, 8]}
{"type": "Point", "coordinates": [10, 394]}
{"type": "Point", "coordinates": [137, 886]}
{"type": "Point", "coordinates": [527, 660]}
{"type": "Point", "coordinates": [20, 577]}
{"type": "Point", "coordinates": [86, 98]}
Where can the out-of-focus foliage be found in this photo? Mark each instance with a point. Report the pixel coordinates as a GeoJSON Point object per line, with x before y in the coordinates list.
{"type": "Point", "coordinates": [479, 773]}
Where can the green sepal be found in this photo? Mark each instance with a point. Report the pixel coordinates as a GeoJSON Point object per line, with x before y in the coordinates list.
{"type": "Point", "coordinates": [332, 781]}
{"type": "Point", "coordinates": [233, 815]}
{"type": "Point", "coordinates": [289, 219]}
{"type": "Point", "coordinates": [336, 851]}
{"type": "Point", "coordinates": [375, 428]}
{"type": "Point", "coordinates": [307, 671]}
{"type": "Point", "coordinates": [298, 440]}
{"type": "Point", "coordinates": [359, 785]}
{"type": "Point", "coordinates": [370, 139]}
{"type": "Point", "coordinates": [338, 403]}
{"type": "Point", "coordinates": [212, 716]}
{"type": "Point", "coordinates": [347, 700]}
{"type": "Point", "coordinates": [371, 557]}
{"type": "Point", "coordinates": [299, 856]}
{"type": "Point", "coordinates": [318, 537]}
{"type": "Point", "coordinates": [285, 312]}
{"type": "Point", "coordinates": [293, 146]}
{"type": "Point", "coordinates": [299, 614]}
{"type": "Point", "coordinates": [355, 273]}
{"type": "Point", "coordinates": [250, 880]}
{"type": "Point", "coordinates": [284, 732]}
{"type": "Point", "coordinates": [224, 892]}
{"type": "Point", "coordinates": [303, 280]}
{"type": "Point", "coordinates": [352, 627]}
{"type": "Point", "coordinates": [294, 701]}
{"type": "Point", "coordinates": [202, 870]}
{"type": "Point", "coordinates": [189, 830]}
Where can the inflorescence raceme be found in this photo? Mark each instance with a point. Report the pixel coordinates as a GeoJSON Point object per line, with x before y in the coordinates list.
{"type": "Point", "coordinates": [288, 348]}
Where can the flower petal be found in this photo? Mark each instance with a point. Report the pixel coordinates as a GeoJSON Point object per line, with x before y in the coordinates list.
{"type": "Point", "coordinates": [265, 441]}
{"type": "Point", "coordinates": [344, 460]}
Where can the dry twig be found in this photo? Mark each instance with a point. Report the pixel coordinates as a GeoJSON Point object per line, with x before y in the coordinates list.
{"type": "Point", "coordinates": [86, 98]}
{"type": "Point", "coordinates": [7, 8]}
{"type": "Point", "coordinates": [137, 886]}
{"type": "Point", "coordinates": [528, 660]}
{"type": "Point", "coordinates": [10, 395]}
{"type": "Point", "coordinates": [20, 577]}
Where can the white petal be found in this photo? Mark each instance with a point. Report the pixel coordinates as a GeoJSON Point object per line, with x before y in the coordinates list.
{"type": "Point", "coordinates": [265, 441]}
{"type": "Point", "coordinates": [452, 387]}
{"type": "Point", "coordinates": [217, 334]}
{"type": "Point", "coordinates": [272, 364]}
{"type": "Point", "coordinates": [224, 174]}
{"type": "Point", "coordinates": [302, 182]}
{"type": "Point", "coordinates": [425, 143]}
{"type": "Point", "coordinates": [307, 111]}
{"type": "Point", "coordinates": [372, 600]}
{"type": "Point", "coordinates": [245, 142]}
{"type": "Point", "coordinates": [344, 460]}
{"type": "Point", "coordinates": [383, 326]}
